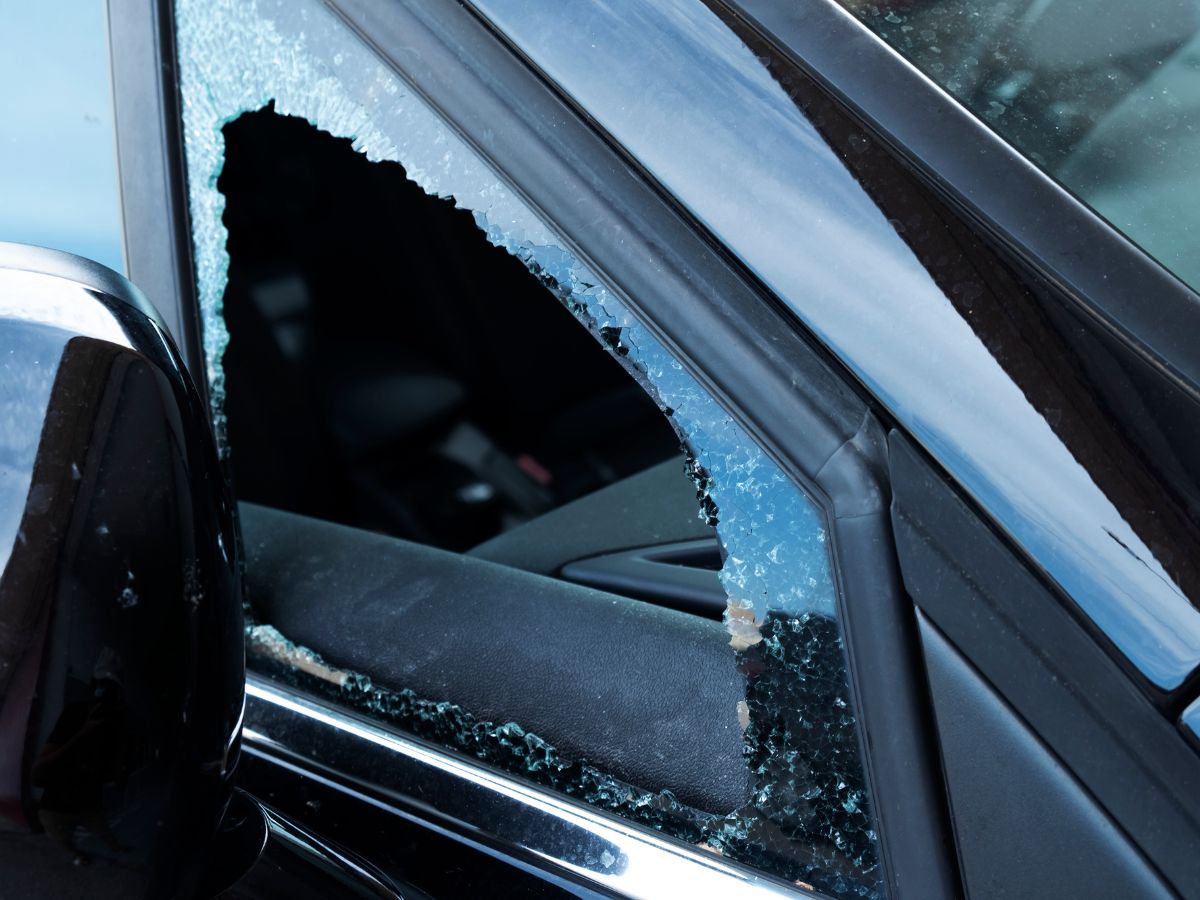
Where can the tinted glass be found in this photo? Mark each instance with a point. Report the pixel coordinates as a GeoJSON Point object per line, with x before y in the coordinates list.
{"type": "Point", "coordinates": [1103, 96]}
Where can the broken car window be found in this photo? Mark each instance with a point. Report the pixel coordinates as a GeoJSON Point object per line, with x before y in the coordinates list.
{"type": "Point", "coordinates": [398, 323]}
{"type": "Point", "coordinates": [58, 165]}
{"type": "Point", "coordinates": [425, 425]}
{"type": "Point", "coordinates": [683, 94]}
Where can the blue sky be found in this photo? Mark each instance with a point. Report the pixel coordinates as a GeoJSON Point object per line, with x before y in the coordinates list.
{"type": "Point", "coordinates": [58, 167]}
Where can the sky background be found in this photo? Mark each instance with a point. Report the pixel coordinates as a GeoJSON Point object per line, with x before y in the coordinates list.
{"type": "Point", "coordinates": [58, 162]}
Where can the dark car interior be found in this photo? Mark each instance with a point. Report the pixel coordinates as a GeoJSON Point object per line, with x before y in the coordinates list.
{"type": "Point", "coordinates": [390, 369]}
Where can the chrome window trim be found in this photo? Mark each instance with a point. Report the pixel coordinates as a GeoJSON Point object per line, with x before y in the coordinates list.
{"type": "Point", "coordinates": [469, 800]}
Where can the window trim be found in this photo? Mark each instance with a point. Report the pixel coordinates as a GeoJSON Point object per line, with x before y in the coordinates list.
{"type": "Point", "coordinates": [523, 822]}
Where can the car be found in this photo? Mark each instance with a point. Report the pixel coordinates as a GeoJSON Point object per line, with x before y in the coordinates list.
{"type": "Point", "coordinates": [706, 448]}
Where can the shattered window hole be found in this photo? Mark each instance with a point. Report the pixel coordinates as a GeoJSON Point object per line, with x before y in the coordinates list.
{"type": "Point", "coordinates": [387, 366]}
{"type": "Point", "coordinates": [371, 280]}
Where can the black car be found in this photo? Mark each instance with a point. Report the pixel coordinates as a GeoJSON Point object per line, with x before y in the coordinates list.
{"type": "Point", "coordinates": [700, 448]}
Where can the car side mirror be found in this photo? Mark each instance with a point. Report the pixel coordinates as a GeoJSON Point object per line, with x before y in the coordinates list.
{"type": "Point", "coordinates": [121, 642]}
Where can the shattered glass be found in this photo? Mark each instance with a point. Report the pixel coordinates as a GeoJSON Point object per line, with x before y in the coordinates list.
{"type": "Point", "coordinates": [809, 818]}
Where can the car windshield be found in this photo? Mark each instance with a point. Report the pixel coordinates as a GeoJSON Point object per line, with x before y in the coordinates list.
{"type": "Point", "coordinates": [1103, 96]}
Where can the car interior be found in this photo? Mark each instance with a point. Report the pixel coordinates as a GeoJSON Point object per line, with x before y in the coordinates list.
{"type": "Point", "coordinates": [449, 486]}
{"type": "Point", "coordinates": [466, 411]}
{"type": "Point", "coordinates": [391, 370]}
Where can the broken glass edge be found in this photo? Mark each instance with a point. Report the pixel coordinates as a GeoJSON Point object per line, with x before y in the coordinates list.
{"type": "Point", "coordinates": [237, 57]}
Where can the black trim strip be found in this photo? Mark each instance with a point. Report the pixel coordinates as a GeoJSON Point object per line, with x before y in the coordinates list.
{"type": "Point", "coordinates": [673, 575]}
{"type": "Point", "coordinates": [1026, 643]}
{"type": "Point", "coordinates": [158, 244]}
{"type": "Point", "coordinates": [1026, 826]}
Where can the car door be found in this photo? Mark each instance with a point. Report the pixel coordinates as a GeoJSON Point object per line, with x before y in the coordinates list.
{"type": "Point", "coordinates": [700, 304]}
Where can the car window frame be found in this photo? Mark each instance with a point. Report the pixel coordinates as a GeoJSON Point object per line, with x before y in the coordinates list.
{"type": "Point", "coordinates": [705, 309]}
{"type": "Point", "coordinates": [713, 318]}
